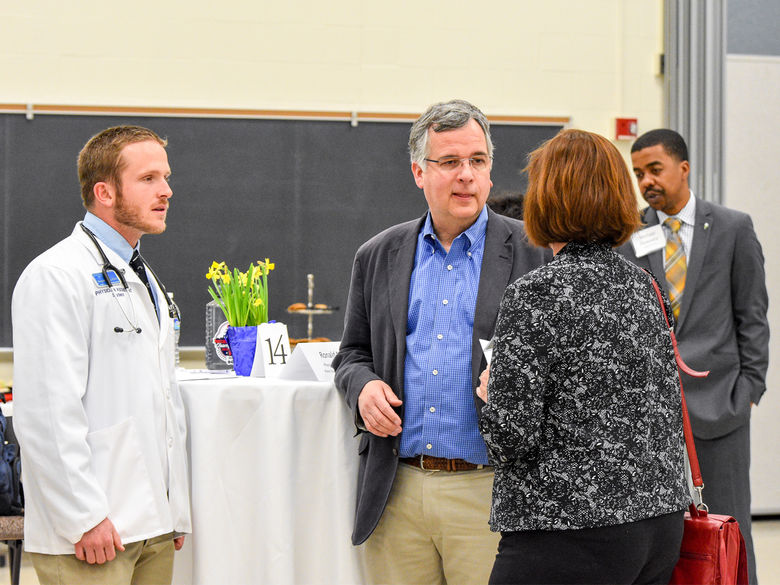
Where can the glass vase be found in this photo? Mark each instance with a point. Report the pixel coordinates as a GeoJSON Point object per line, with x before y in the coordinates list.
{"type": "Point", "coordinates": [242, 342]}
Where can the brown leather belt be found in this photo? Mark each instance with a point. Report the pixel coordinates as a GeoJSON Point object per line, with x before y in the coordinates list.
{"type": "Point", "coordinates": [429, 463]}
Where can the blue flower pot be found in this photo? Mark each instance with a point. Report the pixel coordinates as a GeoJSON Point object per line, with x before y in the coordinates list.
{"type": "Point", "coordinates": [242, 342]}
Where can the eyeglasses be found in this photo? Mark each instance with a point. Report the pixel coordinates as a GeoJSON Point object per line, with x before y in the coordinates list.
{"type": "Point", "coordinates": [452, 163]}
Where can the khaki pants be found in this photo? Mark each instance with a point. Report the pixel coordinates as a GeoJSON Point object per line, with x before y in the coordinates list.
{"type": "Point", "coordinates": [434, 530]}
{"type": "Point", "coordinates": [146, 562]}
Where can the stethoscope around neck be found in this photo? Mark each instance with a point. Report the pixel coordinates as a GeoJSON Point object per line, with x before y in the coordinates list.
{"type": "Point", "coordinates": [173, 309]}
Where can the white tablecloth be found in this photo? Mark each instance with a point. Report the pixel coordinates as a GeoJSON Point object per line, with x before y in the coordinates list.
{"type": "Point", "coordinates": [274, 467]}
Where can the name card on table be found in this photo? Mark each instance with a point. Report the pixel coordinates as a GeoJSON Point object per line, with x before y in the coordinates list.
{"type": "Point", "coordinates": [272, 352]}
{"type": "Point", "coordinates": [311, 361]}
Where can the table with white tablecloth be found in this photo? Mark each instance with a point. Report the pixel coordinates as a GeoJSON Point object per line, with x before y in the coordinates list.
{"type": "Point", "coordinates": [273, 465]}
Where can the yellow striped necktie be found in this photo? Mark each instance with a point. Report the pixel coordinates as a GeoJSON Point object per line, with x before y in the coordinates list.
{"type": "Point", "coordinates": [674, 264]}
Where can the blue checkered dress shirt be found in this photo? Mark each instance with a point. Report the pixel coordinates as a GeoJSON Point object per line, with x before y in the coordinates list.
{"type": "Point", "coordinates": [439, 414]}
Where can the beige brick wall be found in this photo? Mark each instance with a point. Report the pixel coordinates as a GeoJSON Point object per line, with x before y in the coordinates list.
{"type": "Point", "coordinates": [592, 60]}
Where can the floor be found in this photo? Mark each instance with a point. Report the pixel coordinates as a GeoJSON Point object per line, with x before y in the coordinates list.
{"type": "Point", "coordinates": [766, 535]}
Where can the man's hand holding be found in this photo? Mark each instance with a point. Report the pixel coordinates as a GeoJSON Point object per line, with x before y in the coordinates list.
{"type": "Point", "coordinates": [375, 403]}
{"type": "Point", "coordinates": [98, 544]}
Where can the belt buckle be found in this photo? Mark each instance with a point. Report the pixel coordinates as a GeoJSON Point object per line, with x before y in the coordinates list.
{"type": "Point", "coordinates": [422, 464]}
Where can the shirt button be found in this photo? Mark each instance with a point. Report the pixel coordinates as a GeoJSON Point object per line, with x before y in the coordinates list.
{"type": "Point", "coordinates": [439, 336]}
{"type": "Point", "coordinates": [170, 441]}
{"type": "Point", "coordinates": [429, 446]}
{"type": "Point", "coordinates": [449, 267]}
{"type": "Point", "coordinates": [435, 372]}
{"type": "Point", "coordinates": [468, 254]}
{"type": "Point", "coordinates": [444, 302]}
{"type": "Point", "coordinates": [432, 409]}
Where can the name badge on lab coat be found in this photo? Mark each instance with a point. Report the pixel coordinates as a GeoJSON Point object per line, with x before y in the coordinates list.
{"type": "Point", "coordinates": [648, 240]}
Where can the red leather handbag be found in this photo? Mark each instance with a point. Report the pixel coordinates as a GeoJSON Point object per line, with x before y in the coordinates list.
{"type": "Point", "coordinates": [713, 550]}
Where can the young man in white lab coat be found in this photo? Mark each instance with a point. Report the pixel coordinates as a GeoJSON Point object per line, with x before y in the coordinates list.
{"type": "Point", "coordinates": [97, 410]}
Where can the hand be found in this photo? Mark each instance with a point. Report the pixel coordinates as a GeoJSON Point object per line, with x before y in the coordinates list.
{"type": "Point", "coordinates": [178, 542]}
{"type": "Point", "coordinates": [98, 544]}
{"type": "Point", "coordinates": [375, 403]}
{"type": "Point", "coordinates": [483, 383]}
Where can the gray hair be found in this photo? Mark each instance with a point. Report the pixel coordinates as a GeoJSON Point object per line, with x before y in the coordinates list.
{"type": "Point", "coordinates": [442, 117]}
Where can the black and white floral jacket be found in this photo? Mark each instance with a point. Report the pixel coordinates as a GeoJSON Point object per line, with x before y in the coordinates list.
{"type": "Point", "coordinates": [583, 420]}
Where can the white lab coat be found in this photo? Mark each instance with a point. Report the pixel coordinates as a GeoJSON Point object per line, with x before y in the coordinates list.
{"type": "Point", "coordinates": [98, 414]}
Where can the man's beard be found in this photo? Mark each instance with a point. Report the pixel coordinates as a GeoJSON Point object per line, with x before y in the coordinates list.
{"type": "Point", "coordinates": [131, 217]}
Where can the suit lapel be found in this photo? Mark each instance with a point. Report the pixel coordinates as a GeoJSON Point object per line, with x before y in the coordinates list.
{"type": "Point", "coordinates": [494, 276]}
{"type": "Point", "coordinates": [699, 247]}
{"type": "Point", "coordinates": [400, 263]}
{"type": "Point", "coordinates": [655, 259]}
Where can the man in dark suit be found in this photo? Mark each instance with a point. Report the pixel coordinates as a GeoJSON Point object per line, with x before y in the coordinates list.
{"type": "Point", "coordinates": [423, 294]}
{"type": "Point", "coordinates": [717, 286]}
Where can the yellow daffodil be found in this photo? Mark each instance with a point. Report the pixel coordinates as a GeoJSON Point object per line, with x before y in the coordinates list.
{"type": "Point", "coordinates": [242, 296]}
{"type": "Point", "coordinates": [267, 265]}
{"type": "Point", "coordinates": [217, 270]}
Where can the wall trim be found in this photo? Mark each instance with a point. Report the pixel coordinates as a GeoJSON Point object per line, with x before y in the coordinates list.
{"type": "Point", "coordinates": [32, 110]}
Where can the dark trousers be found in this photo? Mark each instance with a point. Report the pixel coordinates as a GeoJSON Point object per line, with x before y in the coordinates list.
{"type": "Point", "coordinates": [725, 469]}
{"type": "Point", "coordinates": [638, 552]}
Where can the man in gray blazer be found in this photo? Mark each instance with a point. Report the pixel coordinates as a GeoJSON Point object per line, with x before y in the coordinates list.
{"type": "Point", "coordinates": [423, 294]}
{"type": "Point", "coordinates": [721, 320]}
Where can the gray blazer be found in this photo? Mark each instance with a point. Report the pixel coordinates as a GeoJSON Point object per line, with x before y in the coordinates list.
{"type": "Point", "coordinates": [373, 346]}
{"type": "Point", "coordinates": [723, 317]}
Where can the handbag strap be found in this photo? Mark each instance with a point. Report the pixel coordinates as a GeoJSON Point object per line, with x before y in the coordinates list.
{"type": "Point", "coordinates": [698, 483]}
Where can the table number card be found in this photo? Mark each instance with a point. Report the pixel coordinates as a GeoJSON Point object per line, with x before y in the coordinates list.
{"type": "Point", "coordinates": [311, 361]}
{"type": "Point", "coordinates": [273, 350]}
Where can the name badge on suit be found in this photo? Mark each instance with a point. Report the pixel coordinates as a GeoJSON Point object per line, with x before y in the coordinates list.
{"type": "Point", "coordinates": [648, 240]}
